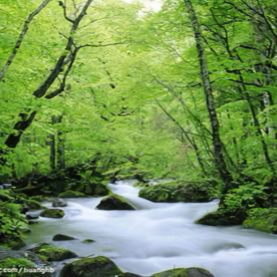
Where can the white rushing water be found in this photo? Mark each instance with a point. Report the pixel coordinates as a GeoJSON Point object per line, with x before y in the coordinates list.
{"type": "Point", "coordinates": [160, 236]}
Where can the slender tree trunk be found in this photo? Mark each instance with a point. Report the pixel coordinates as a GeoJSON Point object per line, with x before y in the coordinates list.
{"type": "Point", "coordinates": [60, 146]}
{"type": "Point", "coordinates": [21, 37]}
{"type": "Point", "coordinates": [217, 143]}
{"type": "Point", "coordinates": [188, 138]}
{"type": "Point", "coordinates": [234, 140]}
{"type": "Point", "coordinates": [52, 144]}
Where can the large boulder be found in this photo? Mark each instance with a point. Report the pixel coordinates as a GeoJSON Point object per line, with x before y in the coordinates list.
{"type": "Point", "coordinates": [52, 213]}
{"type": "Point", "coordinates": [51, 253]}
{"type": "Point", "coordinates": [223, 217]}
{"type": "Point", "coordinates": [265, 220]}
{"type": "Point", "coordinates": [91, 267]}
{"type": "Point", "coordinates": [174, 192]}
{"type": "Point", "coordinates": [114, 202]}
{"type": "Point", "coordinates": [71, 194]}
{"type": "Point", "coordinates": [184, 272]}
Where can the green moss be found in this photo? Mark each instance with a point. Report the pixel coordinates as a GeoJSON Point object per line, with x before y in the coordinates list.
{"type": "Point", "coordinates": [87, 267]}
{"type": "Point", "coordinates": [223, 217]}
{"type": "Point", "coordinates": [114, 202]}
{"type": "Point", "coordinates": [178, 272]}
{"type": "Point", "coordinates": [71, 194]}
{"type": "Point", "coordinates": [88, 241]}
{"type": "Point", "coordinates": [184, 272]}
{"type": "Point", "coordinates": [93, 189]}
{"type": "Point", "coordinates": [101, 190]}
{"type": "Point", "coordinates": [173, 192]}
{"type": "Point", "coordinates": [52, 213]}
{"type": "Point", "coordinates": [61, 237]}
{"type": "Point", "coordinates": [15, 244]}
{"type": "Point", "coordinates": [53, 253]}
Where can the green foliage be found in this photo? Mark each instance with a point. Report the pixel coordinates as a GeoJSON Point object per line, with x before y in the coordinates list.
{"type": "Point", "coordinates": [16, 262]}
{"type": "Point", "coordinates": [245, 196]}
{"type": "Point", "coordinates": [11, 220]}
{"type": "Point", "coordinates": [264, 220]}
{"type": "Point", "coordinates": [53, 253]}
{"type": "Point", "coordinates": [71, 194]}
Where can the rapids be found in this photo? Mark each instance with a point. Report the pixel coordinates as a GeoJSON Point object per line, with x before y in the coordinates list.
{"type": "Point", "coordinates": [160, 236]}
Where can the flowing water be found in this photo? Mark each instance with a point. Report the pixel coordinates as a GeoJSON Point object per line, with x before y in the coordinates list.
{"type": "Point", "coordinates": [160, 236]}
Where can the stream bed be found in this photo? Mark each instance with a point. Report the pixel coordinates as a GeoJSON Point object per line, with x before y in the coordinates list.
{"type": "Point", "coordinates": [159, 236]}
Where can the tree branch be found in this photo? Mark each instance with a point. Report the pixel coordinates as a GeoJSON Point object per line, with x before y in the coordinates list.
{"type": "Point", "coordinates": [63, 83]}
{"type": "Point", "coordinates": [64, 12]}
{"type": "Point", "coordinates": [101, 45]}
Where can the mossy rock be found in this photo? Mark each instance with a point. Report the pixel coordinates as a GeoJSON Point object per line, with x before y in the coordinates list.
{"type": "Point", "coordinates": [88, 241]}
{"type": "Point", "coordinates": [266, 222]}
{"type": "Point", "coordinates": [52, 213]}
{"type": "Point", "coordinates": [60, 237]}
{"type": "Point", "coordinates": [71, 194]}
{"type": "Point", "coordinates": [96, 190]}
{"type": "Point", "coordinates": [184, 272]}
{"type": "Point", "coordinates": [114, 202]}
{"type": "Point", "coordinates": [52, 253]}
{"type": "Point", "coordinates": [16, 244]}
{"type": "Point", "coordinates": [223, 217]}
{"type": "Point", "coordinates": [91, 267]}
{"type": "Point", "coordinates": [34, 205]}
{"type": "Point", "coordinates": [173, 192]}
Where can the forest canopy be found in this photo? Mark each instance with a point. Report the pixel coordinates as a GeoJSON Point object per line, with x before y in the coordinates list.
{"type": "Point", "coordinates": [186, 90]}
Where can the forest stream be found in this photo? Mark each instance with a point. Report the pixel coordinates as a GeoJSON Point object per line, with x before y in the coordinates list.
{"type": "Point", "coordinates": [159, 236]}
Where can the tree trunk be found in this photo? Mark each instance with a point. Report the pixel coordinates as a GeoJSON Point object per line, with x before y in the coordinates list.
{"type": "Point", "coordinates": [61, 151]}
{"type": "Point", "coordinates": [52, 144]}
{"type": "Point", "coordinates": [217, 143]}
